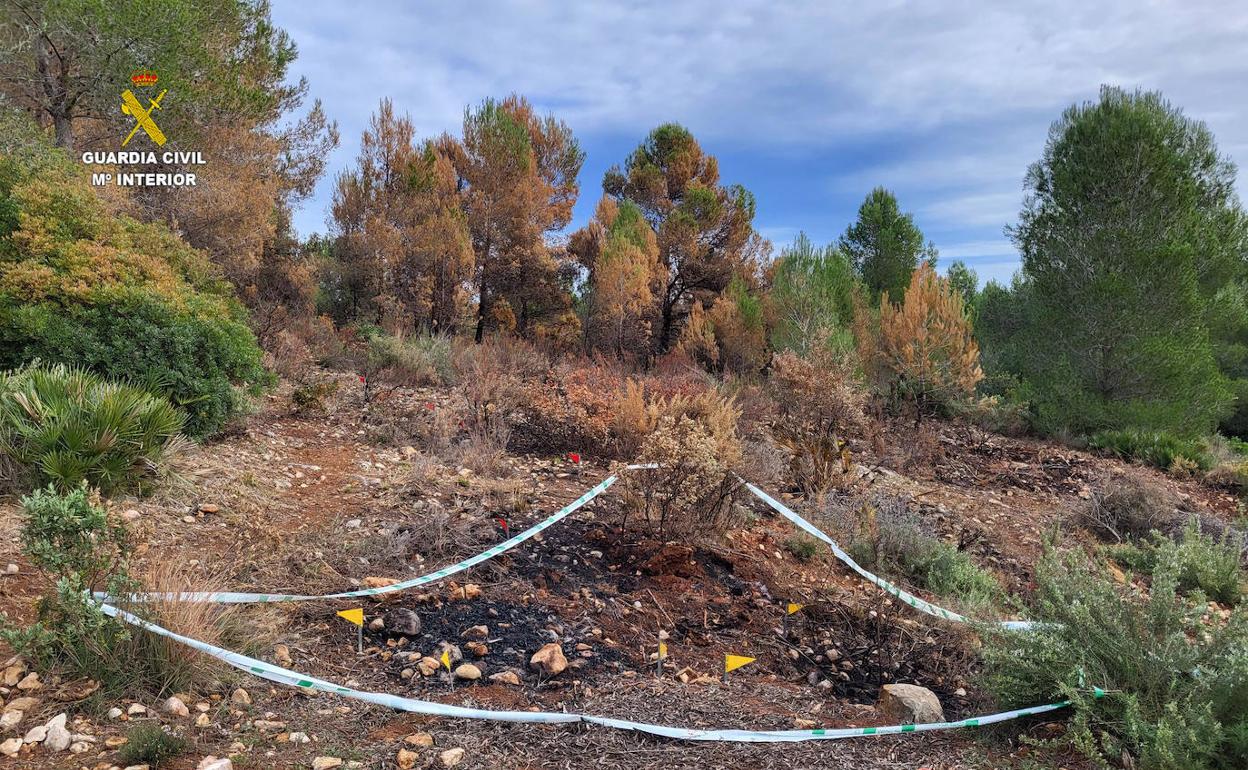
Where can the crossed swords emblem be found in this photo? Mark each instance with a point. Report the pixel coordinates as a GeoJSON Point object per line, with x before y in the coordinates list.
{"type": "Point", "coordinates": [142, 116]}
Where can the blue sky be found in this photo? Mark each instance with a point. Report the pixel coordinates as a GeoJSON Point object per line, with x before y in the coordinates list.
{"type": "Point", "coordinates": [808, 104]}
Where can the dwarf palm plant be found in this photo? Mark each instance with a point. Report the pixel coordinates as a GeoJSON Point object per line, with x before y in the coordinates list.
{"type": "Point", "coordinates": [65, 425]}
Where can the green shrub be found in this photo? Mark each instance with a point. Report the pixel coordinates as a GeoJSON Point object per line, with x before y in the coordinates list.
{"type": "Point", "coordinates": [68, 426]}
{"type": "Point", "coordinates": [1175, 679]}
{"type": "Point", "coordinates": [128, 300]}
{"type": "Point", "coordinates": [1204, 563]}
{"type": "Point", "coordinates": [149, 744]}
{"type": "Point", "coordinates": [420, 360]}
{"type": "Point", "coordinates": [1155, 448]}
{"type": "Point", "coordinates": [1213, 566]}
{"type": "Point", "coordinates": [802, 547]}
{"type": "Point", "coordinates": [70, 537]}
{"type": "Point", "coordinates": [892, 539]}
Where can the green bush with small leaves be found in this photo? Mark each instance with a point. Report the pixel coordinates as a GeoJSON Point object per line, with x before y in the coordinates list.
{"type": "Point", "coordinates": [70, 537]}
{"type": "Point", "coordinates": [802, 547]}
{"type": "Point", "coordinates": [1173, 678]}
{"type": "Point", "coordinates": [149, 744]}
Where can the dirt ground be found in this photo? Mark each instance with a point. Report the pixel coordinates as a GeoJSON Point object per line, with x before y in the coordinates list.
{"type": "Point", "coordinates": [323, 502]}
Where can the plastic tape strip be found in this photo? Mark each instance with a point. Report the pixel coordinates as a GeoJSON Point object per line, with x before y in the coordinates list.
{"type": "Point", "coordinates": [228, 597]}
{"type": "Point", "coordinates": [284, 676]}
{"type": "Point", "coordinates": [919, 604]}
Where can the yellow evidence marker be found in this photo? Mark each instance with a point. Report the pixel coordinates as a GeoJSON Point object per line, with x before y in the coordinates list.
{"type": "Point", "coordinates": [356, 615]}
{"type": "Point", "coordinates": [794, 607]}
{"type": "Point", "coordinates": [734, 662]}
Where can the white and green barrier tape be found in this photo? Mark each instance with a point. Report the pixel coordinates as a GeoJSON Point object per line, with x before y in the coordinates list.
{"type": "Point", "coordinates": [922, 605]}
{"type": "Point", "coordinates": [294, 679]}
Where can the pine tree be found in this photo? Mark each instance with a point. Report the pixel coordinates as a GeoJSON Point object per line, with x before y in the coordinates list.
{"type": "Point", "coordinates": [1130, 223]}
{"type": "Point", "coordinates": [884, 245]}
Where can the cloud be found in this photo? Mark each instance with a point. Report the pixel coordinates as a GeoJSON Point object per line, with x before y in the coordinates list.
{"type": "Point", "coordinates": [947, 103]}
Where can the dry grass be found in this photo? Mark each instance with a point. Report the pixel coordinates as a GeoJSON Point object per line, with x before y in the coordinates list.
{"type": "Point", "coordinates": [167, 665]}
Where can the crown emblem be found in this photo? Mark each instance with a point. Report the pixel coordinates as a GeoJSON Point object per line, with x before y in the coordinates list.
{"type": "Point", "coordinates": [144, 78]}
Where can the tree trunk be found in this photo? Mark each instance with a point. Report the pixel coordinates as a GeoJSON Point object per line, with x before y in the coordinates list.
{"type": "Point", "coordinates": [58, 104]}
{"type": "Point", "coordinates": [480, 336]}
{"type": "Point", "coordinates": [665, 335]}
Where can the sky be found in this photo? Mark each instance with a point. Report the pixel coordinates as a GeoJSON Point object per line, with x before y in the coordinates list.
{"type": "Point", "coordinates": [808, 104]}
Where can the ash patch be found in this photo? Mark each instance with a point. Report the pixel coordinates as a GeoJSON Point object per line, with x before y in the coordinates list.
{"type": "Point", "coordinates": [514, 631]}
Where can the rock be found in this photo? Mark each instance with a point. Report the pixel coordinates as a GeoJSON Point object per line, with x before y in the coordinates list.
{"type": "Point", "coordinates": [10, 569]}
{"type": "Point", "coordinates": [476, 632]}
{"type": "Point", "coordinates": [78, 747]}
{"type": "Point", "coordinates": [213, 763]}
{"type": "Point", "coordinates": [136, 708]}
{"type": "Point", "coordinates": [428, 666]}
{"type": "Point", "coordinates": [480, 649]}
{"type": "Point", "coordinates": [203, 721]}
{"type": "Point", "coordinates": [268, 725]}
{"type": "Point", "coordinates": [300, 738]}
{"type": "Point", "coordinates": [451, 757]}
{"type": "Point", "coordinates": [209, 508]}
{"type": "Point", "coordinates": [468, 672]}
{"type": "Point", "coordinates": [549, 660]}
{"type": "Point", "coordinates": [130, 515]}
{"type": "Point", "coordinates": [12, 674]}
{"type": "Point", "coordinates": [402, 622]}
{"type": "Point", "coordinates": [281, 655]}
{"type": "Point", "coordinates": [116, 741]}
{"type": "Point", "coordinates": [466, 592]}
{"type": "Point", "coordinates": [325, 763]}
{"type": "Point", "coordinates": [58, 738]}
{"type": "Point", "coordinates": [114, 713]}
{"type": "Point", "coordinates": [804, 724]}
{"type": "Point", "coordinates": [24, 704]}
{"type": "Point", "coordinates": [30, 682]}
{"type": "Point", "coordinates": [176, 707]}
{"type": "Point", "coordinates": [406, 759]}
{"type": "Point", "coordinates": [378, 582]}
{"type": "Point", "coordinates": [36, 734]}
{"type": "Point", "coordinates": [419, 739]}
{"type": "Point", "coordinates": [11, 718]}
{"type": "Point", "coordinates": [909, 704]}
{"type": "Point", "coordinates": [506, 677]}
{"type": "Point", "coordinates": [10, 747]}
{"type": "Point", "coordinates": [240, 697]}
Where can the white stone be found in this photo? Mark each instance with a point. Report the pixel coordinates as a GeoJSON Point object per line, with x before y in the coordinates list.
{"type": "Point", "coordinates": [909, 703]}
{"type": "Point", "coordinates": [176, 707]}
{"type": "Point", "coordinates": [10, 747]}
{"type": "Point", "coordinates": [213, 763]}
{"type": "Point", "coordinates": [451, 757]}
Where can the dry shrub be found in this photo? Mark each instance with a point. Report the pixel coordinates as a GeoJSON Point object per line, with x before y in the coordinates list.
{"type": "Point", "coordinates": [819, 402]}
{"type": "Point", "coordinates": [596, 409]}
{"type": "Point", "coordinates": [698, 452]}
{"type": "Point", "coordinates": [297, 348]}
{"type": "Point", "coordinates": [493, 377]}
{"type": "Point", "coordinates": [1128, 506]}
{"type": "Point", "coordinates": [632, 419]}
{"type": "Point", "coordinates": [921, 449]}
{"type": "Point", "coordinates": [920, 351]}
